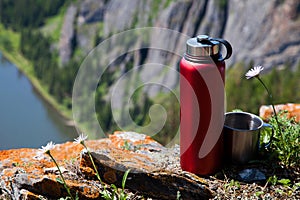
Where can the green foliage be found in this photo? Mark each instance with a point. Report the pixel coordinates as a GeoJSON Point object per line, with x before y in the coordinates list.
{"type": "Point", "coordinates": [155, 6]}
{"type": "Point", "coordinates": [116, 194]}
{"type": "Point", "coordinates": [103, 108]}
{"type": "Point", "coordinates": [140, 106]}
{"type": "Point", "coordinates": [286, 132]}
{"type": "Point", "coordinates": [241, 93]}
{"type": "Point", "coordinates": [100, 34]}
{"type": "Point", "coordinates": [123, 196]}
{"type": "Point", "coordinates": [273, 180]}
{"type": "Point", "coordinates": [59, 80]}
{"type": "Point", "coordinates": [53, 24]}
{"type": "Point", "coordinates": [61, 180]}
{"type": "Point", "coordinates": [233, 183]}
{"type": "Point", "coordinates": [6, 44]}
{"type": "Point", "coordinates": [249, 95]}
{"type": "Point", "coordinates": [286, 148]}
{"type": "Point", "coordinates": [9, 39]}
{"type": "Point", "coordinates": [285, 182]}
{"type": "Point", "coordinates": [171, 127]}
{"type": "Point", "coordinates": [222, 3]}
{"type": "Point", "coordinates": [18, 14]}
{"type": "Point", "coordinates": [167, 3]}
{"type": "Point", "coordinates": [126, 145]}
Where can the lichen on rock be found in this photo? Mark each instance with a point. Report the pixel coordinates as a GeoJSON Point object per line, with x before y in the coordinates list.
{"type": "Point", "coordinates": [154, 170]}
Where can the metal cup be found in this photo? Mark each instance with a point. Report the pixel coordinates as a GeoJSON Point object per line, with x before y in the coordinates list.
{"type": "Point", "coordinates": [242, 136]}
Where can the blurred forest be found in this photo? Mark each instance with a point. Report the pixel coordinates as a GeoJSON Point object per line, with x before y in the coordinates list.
{"type": "Point", "coordinates": [27, 18]}
{"type": "Point", "coordinates": [249, 95]}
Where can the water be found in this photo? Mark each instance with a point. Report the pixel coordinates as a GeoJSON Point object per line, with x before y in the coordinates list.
{"type": "Point", "coordinates": [26, 120]}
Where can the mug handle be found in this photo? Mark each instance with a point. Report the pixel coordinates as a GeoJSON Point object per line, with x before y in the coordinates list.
{"type": "Point", "coordinates": [266, 145]}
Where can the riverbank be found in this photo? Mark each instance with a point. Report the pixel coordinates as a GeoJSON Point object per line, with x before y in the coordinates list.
{"type": "Point", "coordinates": [9, 45]}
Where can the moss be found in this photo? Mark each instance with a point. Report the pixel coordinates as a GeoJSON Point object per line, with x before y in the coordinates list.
{"type": "Point", "coordinates": [222, 3]}
{"type": "Point", "coordinates": [54, 24]}
{"type": "Point", "coordinates": [167, 3]}
{"type": "Point", "coordinates": [155, 7]}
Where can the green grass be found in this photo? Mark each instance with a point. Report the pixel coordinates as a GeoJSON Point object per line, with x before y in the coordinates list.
{"type": "Point", "coordinates": [9, 45]}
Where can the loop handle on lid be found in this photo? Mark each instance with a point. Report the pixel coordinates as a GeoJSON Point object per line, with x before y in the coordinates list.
{"type": "Point", "coordinates": [203, 45]}
{"type": "Point", "coordinates": [227, 45]}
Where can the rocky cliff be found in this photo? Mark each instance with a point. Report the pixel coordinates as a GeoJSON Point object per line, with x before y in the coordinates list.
{"type": "Point", "coordinates": [266, 32]}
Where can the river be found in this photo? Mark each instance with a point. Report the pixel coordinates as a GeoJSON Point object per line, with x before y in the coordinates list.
{"type": "Point", "coordinates": [26, 120]}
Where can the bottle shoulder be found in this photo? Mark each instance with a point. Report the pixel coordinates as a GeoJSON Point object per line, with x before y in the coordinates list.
{"type": "Point", "coordinates": [195, 65]}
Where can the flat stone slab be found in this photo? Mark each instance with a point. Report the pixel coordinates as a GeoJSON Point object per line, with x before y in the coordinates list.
{"type": "Point", "coordinates": [154, 170]}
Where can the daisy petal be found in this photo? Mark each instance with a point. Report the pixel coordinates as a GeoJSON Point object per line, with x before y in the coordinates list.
{"type": "Point", "coordinates": [47, 148]}
{"type": "Point", "coordinates": [80, 139]}
{"type": "Point", "coordinates": [254, 72]}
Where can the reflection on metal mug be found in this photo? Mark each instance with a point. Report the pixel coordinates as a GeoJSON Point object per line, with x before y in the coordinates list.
{"type": "Point", "coordinates": [242, 136]}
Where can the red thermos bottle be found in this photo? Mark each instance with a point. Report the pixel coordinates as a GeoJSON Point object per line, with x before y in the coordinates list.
{"type": "Point", "coordinates": [202, 76]}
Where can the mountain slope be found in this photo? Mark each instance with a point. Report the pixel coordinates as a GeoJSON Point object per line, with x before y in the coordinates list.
{"type": "Point", "coordinates": [266, 32]}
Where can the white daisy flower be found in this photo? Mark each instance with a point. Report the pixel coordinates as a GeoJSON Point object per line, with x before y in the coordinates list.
{"type": "Point", "coordinates": [254, 72]}
{"type": "Point", "coordinates": [40, 155]}
{"type": "Point", "coordinates": [81, 139]}
{"type": "Point", "coordinates": [46, 149]}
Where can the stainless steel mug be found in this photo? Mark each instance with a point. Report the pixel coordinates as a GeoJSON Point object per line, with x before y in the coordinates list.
{"type": "Point", "coordinates": [242, 136]}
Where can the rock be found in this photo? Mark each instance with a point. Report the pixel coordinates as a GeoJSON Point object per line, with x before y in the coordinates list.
{"type": "Point", "coordinates": [251, 175]}
{"type": "Point", "coordinates": [154, 170]}
{"type": "Point", "coordinates": [23, 175]}
{"type": "Point", "coordinates": [267, 32]}
{"type": "Point", "coordinates": [116, 10]}
{"type": "Point", "coordinates": [270, 37]}
{"type": "Point", "coordinates": [67, 35]}
{"type": "Point", "coordinates": [293, 110]}
{"type": "Point", "coordinates": [91, 11]}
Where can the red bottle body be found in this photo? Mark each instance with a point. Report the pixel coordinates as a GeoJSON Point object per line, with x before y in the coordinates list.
{"type": "Point", "coordinates": [196, 83]}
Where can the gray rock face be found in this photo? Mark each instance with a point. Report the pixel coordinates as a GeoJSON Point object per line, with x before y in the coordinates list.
{"type": "Point", "coordinates": [119, 15]}
{"type": "Point", "coordinates": [266, 32]}
{"type": "Point", "coordinates": [67, 34]}
{"type": "Point", "coordinates": [91, 11]}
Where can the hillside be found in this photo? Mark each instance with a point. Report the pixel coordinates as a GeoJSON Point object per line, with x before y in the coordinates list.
{"type": "Point", "coordinates": [261, 32]}
{"type": "Point", "coordinates": [266, 32]}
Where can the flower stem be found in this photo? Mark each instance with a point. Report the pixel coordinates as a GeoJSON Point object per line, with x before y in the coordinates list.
{"type": "Point", "coordinates": [62, 177]}
{"type": "Point", "coordinates": [92, 160]}
{"type": "Point", "coordinates": [104, 192]}
{"type": "Point", "coordinates": [272, 104]}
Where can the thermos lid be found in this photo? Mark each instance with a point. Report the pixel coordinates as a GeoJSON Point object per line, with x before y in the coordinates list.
{"type": "Point", "coordinates": [203, 45]}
